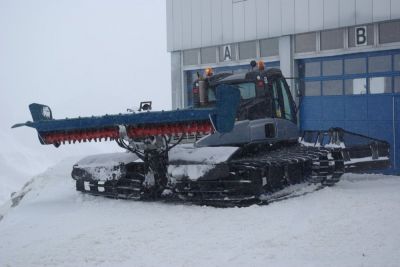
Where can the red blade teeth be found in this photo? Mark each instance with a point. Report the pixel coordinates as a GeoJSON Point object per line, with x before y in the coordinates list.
{"type": "Point", "coordinates": [169, 129]}
{"type": "Point", "coordinates": [84, 135]}
{"type": "Point", "coordinates": [140, 131]}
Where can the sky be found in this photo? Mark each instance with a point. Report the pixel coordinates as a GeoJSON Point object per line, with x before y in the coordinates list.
{"type": "Point", "coordinates": [82, 58]}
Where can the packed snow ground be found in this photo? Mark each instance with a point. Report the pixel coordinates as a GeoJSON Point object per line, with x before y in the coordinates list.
{"type": "Point", "coordinates": [355, 223]}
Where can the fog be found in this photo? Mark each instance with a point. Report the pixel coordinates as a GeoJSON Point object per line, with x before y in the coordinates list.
{"type": "Point", "coordinates": [80, 57]}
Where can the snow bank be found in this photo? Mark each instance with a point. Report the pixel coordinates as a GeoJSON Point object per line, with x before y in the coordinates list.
{"type": "Point", "coordinates": [354, 223]}
{"type": "Point", "coordinates": [18, 164]}
{"type": "Point", "coordinates": [22, 156]}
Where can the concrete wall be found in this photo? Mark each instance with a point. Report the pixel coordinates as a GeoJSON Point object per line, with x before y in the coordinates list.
{"type": "Point", "coordinates": [201, 23]}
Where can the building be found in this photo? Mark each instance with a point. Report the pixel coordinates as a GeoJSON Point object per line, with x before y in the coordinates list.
{"type": "Point", "coordinates": [346, 54]}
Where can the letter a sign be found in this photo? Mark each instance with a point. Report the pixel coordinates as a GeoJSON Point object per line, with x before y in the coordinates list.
{"type": "Point", "coordinates": [361, 35]}
{"type": "Point", "coordinates": [227, 53]}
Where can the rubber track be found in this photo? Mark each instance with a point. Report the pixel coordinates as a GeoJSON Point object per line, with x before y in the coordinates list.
{"type": "Point", "coordinates": [254, 180]}
{"type": "Point", "coordinates": [279, 169]}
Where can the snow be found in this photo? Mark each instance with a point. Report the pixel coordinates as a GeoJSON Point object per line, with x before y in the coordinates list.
{"type": "Point", "coordinates": [364, 159]}
{"type": "Point", "coordinates": [191, 171]}
{"type": "Point", "coordinates": [318, 144]}
{"type": "Point", "coordinates": [354, 223]}
{"type": "Point", "coordinates": [81, 58]}
{"type": "Point", "coordinates": [22, 156]}
{"type": "Point", "coordinates": [198, 160]}
{"type": "Point", "coordinates": [209, 155]}
{"type": "Point", "coordinates": [107, 159]}
{"type": "Point", "coordinates": [101, 167]}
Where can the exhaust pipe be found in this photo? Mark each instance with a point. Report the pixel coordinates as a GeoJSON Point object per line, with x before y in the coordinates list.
{"type": "Point", "coordinates": [203, 93]}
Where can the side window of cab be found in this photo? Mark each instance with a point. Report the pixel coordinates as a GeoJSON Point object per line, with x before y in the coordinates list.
{"type": "Point", "coordinates": [283, 101]}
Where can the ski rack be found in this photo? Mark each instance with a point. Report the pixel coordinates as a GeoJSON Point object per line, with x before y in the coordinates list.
{"type": "Point", "coordinates": [360, 153]}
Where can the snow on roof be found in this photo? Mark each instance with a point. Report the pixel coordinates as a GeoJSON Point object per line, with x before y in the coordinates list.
{"type": "Point", "coordinates": [107, 159]}
{"type": "Point", "coordinates": [209, 155]}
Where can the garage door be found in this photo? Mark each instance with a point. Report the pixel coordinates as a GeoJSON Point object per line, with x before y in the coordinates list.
{"type": "Point", "coordinates": [359, 92]}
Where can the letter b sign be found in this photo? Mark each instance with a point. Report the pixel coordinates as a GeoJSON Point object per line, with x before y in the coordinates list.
{"type": "Point", "coordinates": [361, 35]}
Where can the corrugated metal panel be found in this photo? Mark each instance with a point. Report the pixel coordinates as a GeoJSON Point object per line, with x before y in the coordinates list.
{"type": "Point", "coordinates": [227, 21]}
{"type": "Point", "coordinates": [301, 15]}
{"type": "Point", "coordinates": [331, 14]}
{"type": "Point", "coordinates": [216, 21]}
{"type": "Point", "coordinates": [262, 18]}
{"type": "Point", "coordinates": [250, 20]}
{"type": "Point", "coordinates": [381, 10]}
{"type": "Point", "coordinates": [238, 21]}
{"type": "Point", "coordinates": [177, 13]}
{"type": "Point", "coordinates": [288, 19]}
{"type": "Point", "coordinates": [196, 23]}
{"type": "Point", "coordinates": [363, 11]}
{"type": "Point", "coordinates": [176, 81]}
{"type": "Point", "coordinates": [186, 24]}
{"type": "Point", "coordinates": [316, 15]}
{"type": "Point", "coordinates": [274, 18]}
{"type": "Point", "coordinates": [170, 26]}
{"type": "Point", "coordinates": [395, 9]}
{"type": "Point", "coordinates": [206, 23]}
{"type": "Point", "coordinates": [347, 12]}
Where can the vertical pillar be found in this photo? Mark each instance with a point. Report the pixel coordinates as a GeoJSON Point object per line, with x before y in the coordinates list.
{"type": "Point", "coordinates": [176, 80]}
{"type": "Point", "coordinates": [287, 64]}
{"type": "Point", "coordinates": [287, 61]}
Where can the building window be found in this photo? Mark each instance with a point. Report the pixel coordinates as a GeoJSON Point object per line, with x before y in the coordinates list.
{"type": "Point", "coordinates": [397, 84]}
{"type": "Point", "coordinates": [380, 63]}
{"type": "Point", "coordinates": [332, 87]}
{"type": "Point", "coordinates": [312, 69]}
{"type": "Point", "coordinates": [208, 55]}
{"type": "Point", "coordinates": [247, 50]}
{"type": "Point", "coordinates": [332, 67]}
{"type": "Point", "coordinates": [358, 74]}
{"type": "Point", "coordinates": [380, 85]}
{"type": "Point", "coordinates": [397, 62]}
{"type": "Point", "coordinates": [352, 35]}
{"type": "Point", "coordinates": [191, 57]}
{"type": "Point", "coordinates": [389, 32]}
{"type": "Point", "coordinates": [306, 42]}
{"type": "Point", "coordinates": [312, 88]}
{"type": "Point", "coordinates": [332, 39]}
{"type": "Point", "coordinates": [355, 86]}
{"type": "Point", "coordinates": [355, 66]}
{"type": "Point", "coordinates": [269, 47]}
{"type": "Point", "coordinates": [227, 50]}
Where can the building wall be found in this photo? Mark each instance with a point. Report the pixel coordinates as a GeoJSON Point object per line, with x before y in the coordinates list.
{"type": "Point", "coordinates": [176, 80]}
{"type": "Point", "coordinates": [344, 84]}
{"type": "Point", "coordinates": [202, 23]}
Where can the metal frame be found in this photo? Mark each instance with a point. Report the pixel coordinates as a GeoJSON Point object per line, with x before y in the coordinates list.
{"type": "Point", "coordinates": [367, 75]}
{"type": "Point", "coordinates": [376, 46]}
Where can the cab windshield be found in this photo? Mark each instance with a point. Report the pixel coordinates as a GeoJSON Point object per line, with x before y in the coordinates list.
{"type": "Point", "coordinates": [247, 90]}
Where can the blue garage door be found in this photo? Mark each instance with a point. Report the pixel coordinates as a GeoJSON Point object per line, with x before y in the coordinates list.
{"type": "Point", "coordinates": [358, 92]}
